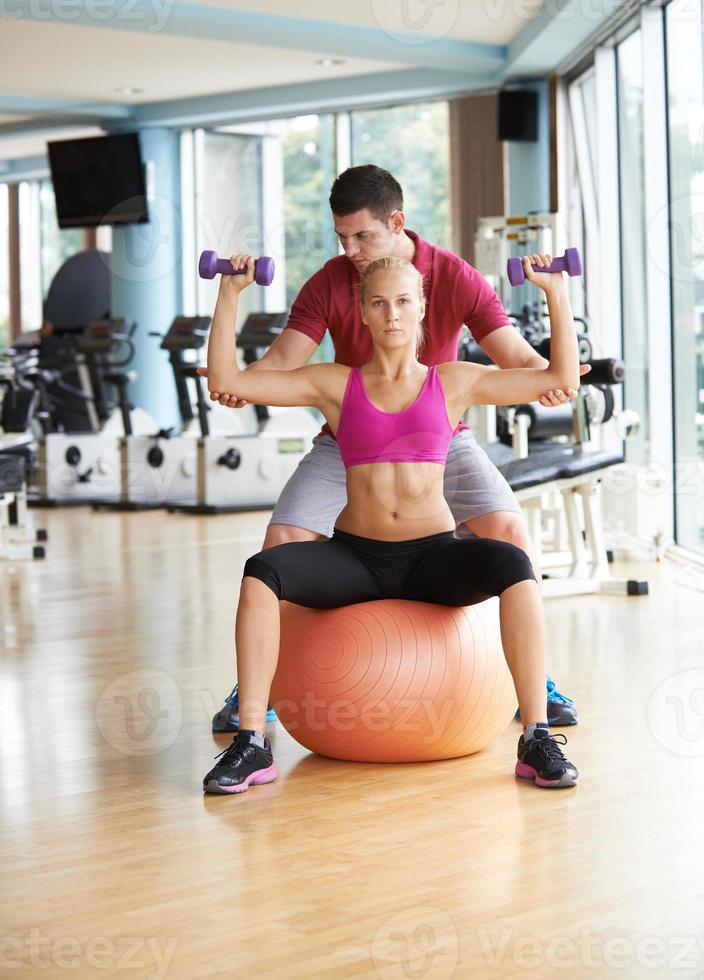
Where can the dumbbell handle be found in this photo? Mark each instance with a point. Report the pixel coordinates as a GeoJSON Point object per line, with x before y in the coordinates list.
{"type": "Point", "coordinates": [210, 266]}
{"type": "Point", "coordinates": [570, 263]}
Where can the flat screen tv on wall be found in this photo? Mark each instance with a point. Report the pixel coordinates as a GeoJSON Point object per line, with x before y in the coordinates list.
{"type": "Point", "coordinates": [99, 180]}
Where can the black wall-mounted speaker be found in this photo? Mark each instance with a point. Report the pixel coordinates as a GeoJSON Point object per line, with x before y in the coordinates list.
{"type": "Point", "coordinates": [518, 116]}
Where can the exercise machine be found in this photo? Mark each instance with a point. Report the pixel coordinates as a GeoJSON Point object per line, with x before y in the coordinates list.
{"type": "Point", "coordinates": [159, 467]}
{"type": "Point", "coordinates": [86, 467]}
{"type": "Point", "coordinates": [497, 239]}
{"type": "Point", "coordinates": [19, 539]}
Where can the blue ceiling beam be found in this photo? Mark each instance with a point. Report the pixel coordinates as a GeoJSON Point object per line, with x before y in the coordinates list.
{"type": "Point", "coordinates": [193, 20]}
{"type": "Point", "coordinates": [30, 104]}
{"type": "Point", "coordinates": [28, 168]}
{"type": "Point", "coordinates": [559, 29]}
{"type": "Point", "coordinates": [24, 126]}
{"type": "Point", "coordinates": [383, 88]}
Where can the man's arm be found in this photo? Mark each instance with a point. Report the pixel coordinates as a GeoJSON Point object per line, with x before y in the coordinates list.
{"type": "Point", "coordinates": [291, 349]}
{"type": "Point", "coordinates": [508, 349]}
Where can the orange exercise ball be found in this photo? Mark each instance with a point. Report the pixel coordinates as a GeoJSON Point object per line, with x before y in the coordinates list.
{"type": "Point", "coordinates": [393, 680]}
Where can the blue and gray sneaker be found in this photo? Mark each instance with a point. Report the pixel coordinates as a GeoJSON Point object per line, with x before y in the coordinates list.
{"type": "Point", "coordinates": [227, 718]}
{"type": "Point", "coordinates": [561, 709]}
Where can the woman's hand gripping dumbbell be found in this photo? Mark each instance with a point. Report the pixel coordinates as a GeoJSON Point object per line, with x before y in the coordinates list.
{"type": "Point", "coordinates": [570, 263]}
{"type": "Point", "coordinates": [244, 270]}
{"type": "Point", "coordinates": [210, 265]}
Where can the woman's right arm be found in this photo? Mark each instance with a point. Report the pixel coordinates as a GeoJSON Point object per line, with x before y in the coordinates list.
{"type": "Point", "coordinates": [306, 386]}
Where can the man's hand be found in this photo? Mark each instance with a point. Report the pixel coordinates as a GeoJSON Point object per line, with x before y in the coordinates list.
{"type": "Point", "coordinates": [560, 396]}
{"type": "Point", "coordinates": [229, 401]}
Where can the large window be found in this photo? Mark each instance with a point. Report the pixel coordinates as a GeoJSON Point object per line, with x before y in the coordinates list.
{"type": "Point", "coordinates": [272, 180]}
{"type": "Point", "coordinates": [4, 267]}
{"type": "Point", "coordinates": [686, 167]}
{"type": "Point", "coordinates": [633, 239]}
{"type": "Point", "coordinates": [56, 244]}
{"type": "Point", "coordinates": [412, 142]}
{"type": "Point", "coordinates": [30, 256]}
{"type": "Point", "coordinates": [310, 166]}
{"type": "Point", "coordinates": [228, 206]}
{"type": "Point", "coordinates": [580, 176]}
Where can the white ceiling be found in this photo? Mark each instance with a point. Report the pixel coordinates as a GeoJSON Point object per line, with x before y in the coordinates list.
{"type": "Point", "coordinates": [63, 61]}
{"type": "Point", "coordinates": [486, 21]}
{"type": "Point", "coordinates": [99, 60]}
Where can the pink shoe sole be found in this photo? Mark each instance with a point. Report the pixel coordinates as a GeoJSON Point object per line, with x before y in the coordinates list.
{"type": "Point", "coordinates": [525, 771]}
{"type": "Point", "coordinates": [256, 779]}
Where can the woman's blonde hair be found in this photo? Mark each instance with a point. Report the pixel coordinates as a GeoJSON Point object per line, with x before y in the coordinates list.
{"type": "Point", "coordinates": [392, 262]}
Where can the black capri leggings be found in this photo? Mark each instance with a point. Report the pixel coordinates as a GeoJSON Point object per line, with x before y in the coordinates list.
{"type": "Point", "coordinates": [346, 569]}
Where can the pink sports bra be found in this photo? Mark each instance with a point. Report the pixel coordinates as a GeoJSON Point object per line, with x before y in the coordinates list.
{"type": "Point", "coordinates": [420, 433]}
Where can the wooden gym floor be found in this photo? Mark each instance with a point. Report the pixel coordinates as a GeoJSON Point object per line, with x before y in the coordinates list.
{"type": "Point", "coordinates": [117, 650]}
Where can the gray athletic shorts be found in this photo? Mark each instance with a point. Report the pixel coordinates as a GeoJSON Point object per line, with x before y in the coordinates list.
{"type": "Point", "coordinates": [316, 493]}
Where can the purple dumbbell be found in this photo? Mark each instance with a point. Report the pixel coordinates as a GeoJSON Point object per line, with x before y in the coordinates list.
{"type": "Point", "coordinates": [209, 266]}
{"type": "Point", "coordinates": [570, 263]}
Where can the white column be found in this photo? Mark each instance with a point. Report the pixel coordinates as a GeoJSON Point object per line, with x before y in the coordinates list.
{"type": "Point", "coordinates": [657, 259]}
{"type": "Point", "coordinates": [273, 226]}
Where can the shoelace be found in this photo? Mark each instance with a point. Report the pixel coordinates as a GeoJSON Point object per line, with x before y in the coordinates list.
{"type": "Point", "coordinates": [232, 696]}
{"type": "Point", "coordinates": [232, 754]}
{"type": "Point", "coordinates": [555, 695]}
{"type": "Point", "coordinates": [549, 749]}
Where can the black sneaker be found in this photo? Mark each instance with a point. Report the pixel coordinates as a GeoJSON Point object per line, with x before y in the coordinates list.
{"type": "Point", "coordinates": [541, 759]}
{"type": "Point", "coordinates": [240, 764]}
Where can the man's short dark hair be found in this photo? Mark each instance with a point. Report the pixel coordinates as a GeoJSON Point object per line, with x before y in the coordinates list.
{"type": "Point", "coordinates": [367, 187]}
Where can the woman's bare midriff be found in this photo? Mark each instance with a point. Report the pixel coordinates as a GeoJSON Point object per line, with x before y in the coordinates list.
{"type": "Point", "coordinates": [395, 501]}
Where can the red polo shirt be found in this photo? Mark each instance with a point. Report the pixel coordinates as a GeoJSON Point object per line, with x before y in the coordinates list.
{"type": "Point", "coordinates": [455, 294]}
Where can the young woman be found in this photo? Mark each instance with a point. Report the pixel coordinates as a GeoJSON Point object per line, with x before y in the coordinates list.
{"type": "Point", "coordinates": [393, 419]}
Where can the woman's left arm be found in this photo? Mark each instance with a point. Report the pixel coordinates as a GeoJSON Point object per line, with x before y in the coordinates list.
{"type": "Point", "coordinates": [510, 386]}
